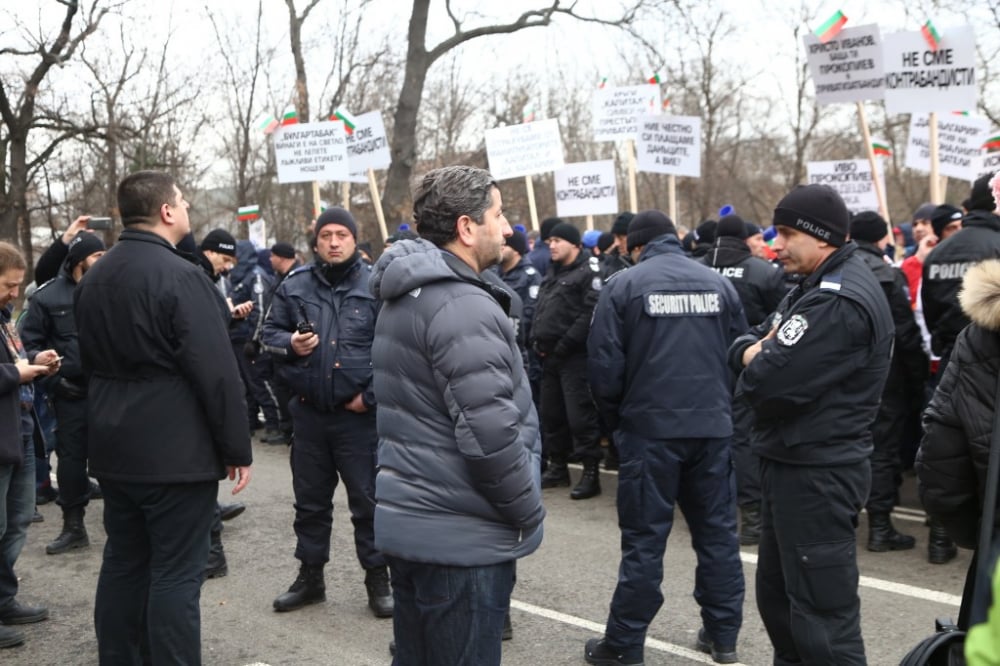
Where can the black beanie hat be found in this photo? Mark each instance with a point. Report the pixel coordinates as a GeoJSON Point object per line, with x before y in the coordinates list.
{"type": "Point", "coordinates": [221, 241]}
{"type": "Point", "coordinates": [518, 242]}
{"type": "Point", "coordinates": [752, 229]}
{"type": "Point", "coordinates": [81, 247]}
{"type": "Point", "coordinates": [646, 226]}
{"type": "Point", "coordinates": [704, 233]}
{"type": "Point", "coordinates": [868, 226]}
{"type": "Point", "coordinates": [944, 215]}
{"type": "Point", "coordinates": [816, 210]}
{"type": "Point", "coordinates": [606, 240]}
{"type": "Point", "coordinates": [620, 227]}
{"type": "Point", "coordinates": [283, 250]}
{"type": "Point", "coordinates": [337, 215]}
{"type": "Point", "coordinates": [731, 225]}
{"type": "Point", "coordinates": [548, 224]}
{"type": "Point", "coordinates": [567, 232]}
{"type": "Point", "coordinates": [981, 197]}
{"type": "Point", "coordinates": [924, 212]}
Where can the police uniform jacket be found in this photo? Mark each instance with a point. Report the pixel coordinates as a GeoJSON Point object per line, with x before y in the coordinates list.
{"type": "Point", "coordinates": [343, 316]}
{"type": "Point", "coordinates": [815, 386]}
{"type": "Point", "coordinates": [247, 282]}
{"type": "Point", "coordinates": [612, 262]}
{"type": "Point", "coordinates": [944, 269]}
{"type": "Point", "coordinates": [657, 346]}
{"type": "Point", "coordinates": [565, 304]}
{"type": "Point", "coordinates": [459, 474]}
{"type": "Point", "coordinates": [954, 453]}
{"type": "Point", "coordinates": [760, 284]}
{"type": "Point", "coordinates": [165, 398]}
{"type": "Point", "coordinates": [50, 324]}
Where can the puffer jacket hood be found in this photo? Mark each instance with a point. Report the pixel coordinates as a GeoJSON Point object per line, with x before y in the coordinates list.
{"type": "Point", "coordinates": [980, 295]}
{"type": "Point", "coordinates": [406, 266]}
{"type": "Point", "coordinates": [246, 260]}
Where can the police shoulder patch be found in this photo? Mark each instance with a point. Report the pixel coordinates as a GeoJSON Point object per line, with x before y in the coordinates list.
{"type": "Point", "coordinates": [533, 291]}
{"type": "Point", "coordinates": [258, 287]}
{"type": "Point", "coordinates": [792, 330]}
{"type": "Point", "coordinates": [530, 270]}
{"type": "Point", "coordinates": [597, 284]}
{"type": "Point", "coordinates": [595, 264]}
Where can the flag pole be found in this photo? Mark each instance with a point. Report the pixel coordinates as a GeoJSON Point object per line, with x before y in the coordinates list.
{"type": "Point", "coordinates": [672, 196]}
{"type": "Point", "coordinates": [590, 223]}
{"type": "Point", "coordinates": [633, 197]}
{"type": "Point", "coordinates": [315, 192]}
{"type": "Point", "coordinates": [935, 162]}
{"type": "Point", "coordinates": [377, 203]}
{"type": "Point", "coordinates": [531, 202]}
{"type": "Point", "coordinates": [883, 209]}
{"type": "Point", "coordinates": [345, 195]}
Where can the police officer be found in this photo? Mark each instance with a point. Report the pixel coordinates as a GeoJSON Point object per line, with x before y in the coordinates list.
{"type": "Point", "coordinates": [904, 387]}
{"type": "Point", "coordinates": [566, 302]}
{"type": "Point", "coordinates": [760, 286]}
{"type": "Point", "coordinates": [50, 323]}
{"type": "Point", "coordinates": [539, 256]}
{"type": "Point", "coordinates": [617, 258]}
{"type": "Point", "coordinates": [813, 374]}
{"type": "Point", "coordinates": [319, 332]}
{"type": "Point", "coordinates": [283, 261]}
{"type": "Point", "coordinates": [946, 265]}
{"type": "Point", "coordinates": [524, 279]}
{"type": "Point", "coordinates": [658, 372]}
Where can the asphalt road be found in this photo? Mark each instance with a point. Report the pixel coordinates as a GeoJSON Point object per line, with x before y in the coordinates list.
{"type": "Point", "coordinates": [560, 601]}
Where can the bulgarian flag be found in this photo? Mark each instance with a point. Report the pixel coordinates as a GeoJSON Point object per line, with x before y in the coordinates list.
{"type": "Point", "coordinates": [930, 34]}
{"type": "Point", "coordinates": [831, 28]}
{"type": "Point", "coordinates": [529, 114]}
{"type": "Point", "coordinates": [266, 122]}
{"type": "Point", "coordinates": [346, 118]}
{"type": "Point", "coordinates": [993, 143]}
{"type": "Point", "coordinates": [880, 147]}
{"type": "Point", "coordinates": [666, 103]}
{"type": "Point", "coordinates": [604, 82]}
{"type": "Point", "coordinates": [655, 78]}
{"type": "Point", "coordinates": [290, 116]}
{"type": "Point", "coordinates": [248, 213]}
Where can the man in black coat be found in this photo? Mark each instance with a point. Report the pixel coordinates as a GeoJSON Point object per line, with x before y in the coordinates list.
{"type": "Point", "coordinates": [166, 421]}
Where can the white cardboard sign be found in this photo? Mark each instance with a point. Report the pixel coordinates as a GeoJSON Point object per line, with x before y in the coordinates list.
{"type": "Point", "coordinates": [368, 146]}
{"type": "Point", "coordinates": [960, 142]}
{"type": "Point", "coordinates": [919, 79]}
{"type": "Point", "coordinates": [617, 110]}
{"type": "Point", "coordinates": [848, 68]}
{"type": "Point", "coordinates": [311, 151]}
{"type": "Point", "coordinates": [524, 150]}
{"type": "Point", "coordinates": [852, 179]}
{"type": "Point", "coordinates": [669, 144]}
{"type": "Point", "coordinates": [586, 188]}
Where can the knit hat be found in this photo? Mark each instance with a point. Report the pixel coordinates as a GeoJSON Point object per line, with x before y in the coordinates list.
{"type": "Point", "coordinates": [924, 212]}
{"type": "Point", "coordinates": [868, 226]}
{"type": "Point", "coordinates": [590, 237]}
{"type": "Point", "coordinates": [81, 247]}
{"type": "Point", "coordinates": [981, 197]}
{"type": "Point", "coordinates": [704, 233]}
{"type": "Point", "coordinates": [221, 241]}
{"type": "Point", "coordinates": [646, 226]}
{"type": "Point", "coordinates": [620, 227]}
{"type": "Point", "coordinates": [752, 229]}
{"type": "Point", "coordinates": [606, 240]}
{"type": "Point", "coordinates": [816, 210]}
{"type": "Point", "coordinates": [944, 215]}
{"type": "Point", "coordinates": [567, 232]}
{"type": "Point", "coordinates": [518, 242]}
{"type": "Point", "coordinates": [283, 250]}
{"type": "Point", "coordinates": [338, 215]}
{"type": "Point", "coordinates": [731, 225]}
{"type": "Point", "coordinates": [548, 224]}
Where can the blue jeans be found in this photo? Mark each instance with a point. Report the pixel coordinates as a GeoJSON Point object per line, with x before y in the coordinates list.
{"type": "Point", "coordinates": [17, 506]}
{"type": "Point", "coordinates": [449, 615]}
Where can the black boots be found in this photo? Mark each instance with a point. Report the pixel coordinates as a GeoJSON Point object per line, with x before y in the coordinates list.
{"type": "Point", "coordinates": [721, 654]}
{"type": "Point", "coordinates": [73, 535]}
{"type": "Point", "coordinates": [556, 475]}
{"type": "Point", "coordinates": [308, 588]}
{"type": "Point", "coordinates": [750, 525]}
{"type": "Point", "coordinates": [379, 594]}
{"type": "Point", "coordinates": [590, 482]}
{"type": "Point", "coordinates": [882, 536]}
{"type": "Point", "coordinates": [940, 548]}
{"type": "Point", "coordinates": [216, 566]}
{"type": "Point", "coordinates": [598, 652]}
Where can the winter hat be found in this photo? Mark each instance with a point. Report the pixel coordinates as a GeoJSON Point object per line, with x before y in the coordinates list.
{"type": "Point", "coordinates": [81, 247]}
{"type": "Point", "coordinates": [868, 226]}
{"type": "Point", "coordinates": [731, 225]}
{"type": "Point", "coordinates": [704, 233]}
{"type": "Point", "coordinates": [567, 232]}
{"type": "Point", "coordinates": [401, 236]}
{"type": "Point", "coordinates": [338, 215]}
{"type": "Point", "coordinates": [606, 240]}
{"type": "Point", "coordinates": [944, 215]}
{"type": "Point", "coordinates": [221, 241]}
{"type": "Point", "coordinates": [981, 197]}
{"type": "Point", "coordinates": [620, 227]}
{"type": "Point", "coordinates": [518, 242]}
{"type": "Point", "coordinates": [548, 225]}
{"type": "Point", "coordinates": [924, 212]}
{"type": "Point", "coordinates": [752, 229]}
{"type": "Point", "coordinates": [646, 226]}
{"type": "Point", "coordinates": [521, 228]}
{"type": "Point", "coordinates": [283, 250]}
{"type": "Point", "coordinates": [590, 237]}
{"type": "Point", "coordinates": [816, 210]}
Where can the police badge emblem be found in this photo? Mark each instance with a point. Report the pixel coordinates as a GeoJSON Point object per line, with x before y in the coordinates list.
{"type": "Point", "coordinates": [792, 330]}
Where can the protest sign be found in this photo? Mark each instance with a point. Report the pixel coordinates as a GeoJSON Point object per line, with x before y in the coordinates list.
{"type": "Point", "coordinates": [586, 188]}
{"type": "Point", "coordinates": [848, 68]}
{"type": "Point", "coordinates": [367, 145]}
{"type": "Point", "coordinates": [920, 79]}
{"type": "Point", "coordinates": [852, 179]}
{"type": "Point", "coordinates": [313, 151]}
{"type": "Point", "coordinates": [617, 110]}
{"type": "Point", "coordinates": [669, 144]}
{"type": "Point", "coordinates": [960, 141]}
{"type": "Point", "coordinates": [524, 150]}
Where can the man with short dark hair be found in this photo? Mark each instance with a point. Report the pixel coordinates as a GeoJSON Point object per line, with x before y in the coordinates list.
{"type": "Point", "coordinates": [457, 487]}
{"type": "Point", "coordinates": [166, 421]}
{"type": "Point", "coordinates": [539, 255]}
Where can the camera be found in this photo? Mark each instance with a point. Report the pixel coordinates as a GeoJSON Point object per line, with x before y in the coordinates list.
{"type": "Point", "coordinates": [99, 223]}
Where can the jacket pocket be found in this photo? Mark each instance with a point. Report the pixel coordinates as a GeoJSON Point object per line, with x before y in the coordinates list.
{"type": "Point", "coordinates": [828, 573]}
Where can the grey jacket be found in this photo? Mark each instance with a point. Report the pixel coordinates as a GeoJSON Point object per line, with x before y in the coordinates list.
{"type": "Point", "coordinates": [458, 481]}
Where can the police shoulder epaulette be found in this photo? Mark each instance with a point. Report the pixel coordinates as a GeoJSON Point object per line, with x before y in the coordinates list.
{"type": "Point", "coordinates": [831, 282]}
{"type": "Point", "coordinates": [595, 264]}
{"type": "Point", "coordinates": [46, 283]}
{"type": "Point", "coordinates": [298, 271]}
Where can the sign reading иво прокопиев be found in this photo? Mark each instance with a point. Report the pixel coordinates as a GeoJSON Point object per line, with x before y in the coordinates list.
{"type": "Point", "coordinates": [586, 188]}
{"type": "Point", "coordinates": [524, 150]}
{"type": "Point", "coordinates": [312, 151]}
{"type": "Point", "coordinates": [852, 179]}
{"type": "Point", "coordinates": [617, 110]}
{"type": "Point", "coordinates": [669, 144]}
{"type": "Point", "coordinates": [848, 68]}
{"type": "Point", "coordinates": [919, 79]}
{"type": "Point", "coordinates": [960, 142]}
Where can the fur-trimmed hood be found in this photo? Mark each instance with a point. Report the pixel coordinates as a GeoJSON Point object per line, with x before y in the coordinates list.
{"type": "Point", "coordinates": [980, 295]}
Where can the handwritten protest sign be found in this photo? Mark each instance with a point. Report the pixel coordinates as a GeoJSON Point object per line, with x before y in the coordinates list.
{"type": "Point", "coordinates": [960, 141]}
{"type": "Point", "coordinates": [852, 179]}
{"type": "Point", "coordinates": [586, 188]}
{"type": "Point", "coordinates": [617, 110]}
{"type": "Point", "coordinates": [848, 68]}
{"type": "Point", "coordinates": [524, 150]}
{"type": "Point", "coordinates": [919, 79]}
{"type": "Point", "coordinates": [669, 144]}
{"type": "Point", "coordinates": [313, 151]}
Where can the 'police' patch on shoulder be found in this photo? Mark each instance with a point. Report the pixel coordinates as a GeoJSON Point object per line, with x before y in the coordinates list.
{"type": "Point", "coordinates": [680, 304]}
{"type": "Point", "coordinates": [597, 283]}
{"type": "Point", "coordinates": [533, 291]}
{"type": "Point", "coordinates": [793, 330]}
{"type": "Point", "coordinates": [530, 270]}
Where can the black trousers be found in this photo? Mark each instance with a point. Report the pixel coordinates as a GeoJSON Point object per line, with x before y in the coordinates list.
{"type": "Point", "coordinates": [330, 446]}
{"type": "Point", "coordinates": [259, 394]}
{"type": "Point", "coordinates": [746, 464]}
{"type": "Point", "coordinates": [71, 447]}
{"type": "Point", "coordinates": [807, 568]}
{"type": "Point", "coordinates": [569, 417]}
{"type": "Point", "coordinates": [887, 467]}
{"type": "Point", "coordinates": [149, 589]}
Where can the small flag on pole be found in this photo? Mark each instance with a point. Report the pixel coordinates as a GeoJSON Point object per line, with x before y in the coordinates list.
{"type": "Point", "coordinates": [831, 28]}
{"type": "Point", "coordinates": [266, 122]}
{"type": "Point", "coordinates": [528, 115]}
{"type": "Point", "coordinates": [960, 113]}
{"type": "Point", "coordinates": [604, 82]}
{"type": "Point", "coordinates": [346, 118]}
{"type": "Point", "coordinates": [993, 143]}
{"type": "Point", "coordinates": [248, 213]}
{"type": "Point", "coordinates": [881, 148]}
{"type": "Point", "coordinates": [930, 34]}
{"type": "Point", "coordinates": [666, 103]}
{"type": "Point", "coordinates": [655, 78]}
{"type": "Point", "coordinates": [290, 116]}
